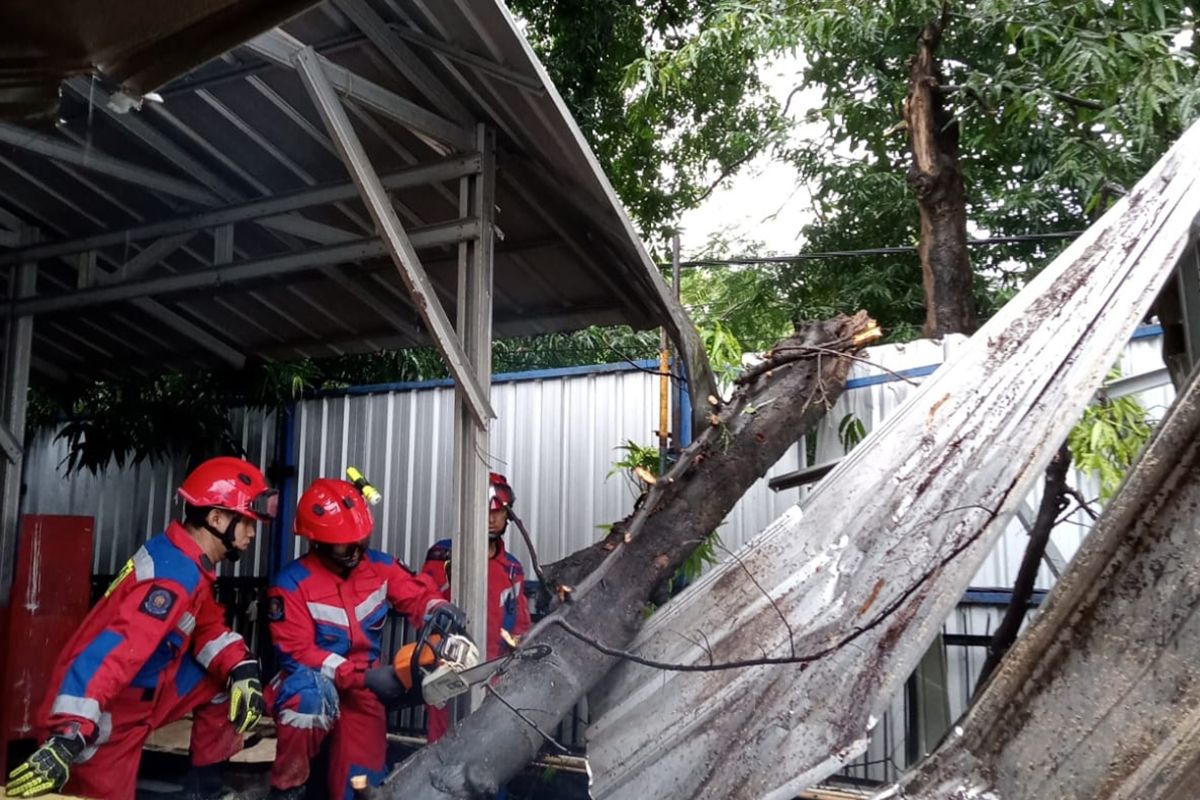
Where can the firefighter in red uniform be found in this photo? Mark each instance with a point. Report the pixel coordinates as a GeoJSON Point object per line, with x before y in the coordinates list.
{"type": "Point", "coordinates": [508, 609]}
{"type": "Point", "coordinates": [155, 648]}
{"type": "Point", "coordinates": [327, 611]}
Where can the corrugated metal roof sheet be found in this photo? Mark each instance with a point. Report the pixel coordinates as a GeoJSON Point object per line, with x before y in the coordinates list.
{"type": "Point", "coordinates": [241, 129]}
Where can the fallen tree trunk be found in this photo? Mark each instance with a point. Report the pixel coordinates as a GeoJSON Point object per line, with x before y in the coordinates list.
{"type": "Point", "coordinates": [1099, 698]}
{"type": "Point", "coordinates": [552, 669]}
{"type": "Point", "coordinates": [859, 585]}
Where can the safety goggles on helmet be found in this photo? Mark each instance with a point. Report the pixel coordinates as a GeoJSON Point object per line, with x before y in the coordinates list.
{"type": "Point", "coordinates": [264, 506]}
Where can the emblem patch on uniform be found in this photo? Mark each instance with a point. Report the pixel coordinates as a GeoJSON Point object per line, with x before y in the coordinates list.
{"type": "Point", "coordinates": [158, 603]}
{"type": "Point", "coordinates": [275, 609]}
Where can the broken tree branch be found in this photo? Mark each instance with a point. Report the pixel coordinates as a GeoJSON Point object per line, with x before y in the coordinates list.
{"type": "Point", "coordinates": [493, 744]}
{"type": "Point", "coordinates": [937, 183]}
{"type": "Point", "coordinates": [1054, 494]}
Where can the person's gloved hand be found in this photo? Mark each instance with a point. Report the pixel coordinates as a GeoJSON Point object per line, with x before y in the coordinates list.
{"type": "Point", "coordinates": [385, 685]}
{"type": "Point", "coordinates": [447, 617]}
{"type": "Point", "coordinates": [47, 770]}
{"type": "Point", "coordinates": [246, 704]}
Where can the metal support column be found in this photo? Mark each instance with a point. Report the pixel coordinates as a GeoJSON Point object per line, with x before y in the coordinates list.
{"type": "Point", "coordinates": [471, 439]}
{"type": "Point", "coordinates": [312, 74]}
{"type": "Point", "coordinates": [18, 345]}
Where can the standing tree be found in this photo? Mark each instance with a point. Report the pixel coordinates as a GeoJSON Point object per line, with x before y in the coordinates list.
{"type": "Point", "coordinates": [937, 182]}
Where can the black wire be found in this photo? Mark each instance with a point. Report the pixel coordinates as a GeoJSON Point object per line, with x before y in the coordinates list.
{"type": "Point", "coordinates": [870, 251]}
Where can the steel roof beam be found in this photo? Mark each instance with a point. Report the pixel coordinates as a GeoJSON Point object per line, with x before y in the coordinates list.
{"type": "Point", "coordinates": [445, 169]}
{"type": "Point", "coordinates": [145, 260]}
{"type": "Point", "coordinates": [401, 56]}
{"type": "Point", "coordinates": [189, 330]}
{"type": "Point", "coordinates": [136, 126]}
{"type": "Point", "coordinates": [92, 159]}
{"type": "Point", "coordinates": [485, 65]}
{"type": "Point", "coordinates": [431, 236]}
{"type": "Point", "coordinates": [399, 247]}
{"type": "Point", "coordinates": [281, 48]}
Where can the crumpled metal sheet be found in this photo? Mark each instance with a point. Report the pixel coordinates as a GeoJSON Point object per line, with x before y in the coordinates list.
{"type": "Point", "coordinates": [890, 539]}
{"type": "Point", "coordinates": [1099, 698]}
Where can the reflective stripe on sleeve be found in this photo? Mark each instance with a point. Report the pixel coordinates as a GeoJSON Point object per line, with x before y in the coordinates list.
{"type": "Point", "coordinates": [84, 707]}
{"type": "Point", "coordinates": [329, 666]}
{"type": "Point", "coordinates": [210, 650]}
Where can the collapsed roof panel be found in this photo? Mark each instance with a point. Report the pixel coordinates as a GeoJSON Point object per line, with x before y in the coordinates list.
{"type": "Point", "coordinates": [888, 542]}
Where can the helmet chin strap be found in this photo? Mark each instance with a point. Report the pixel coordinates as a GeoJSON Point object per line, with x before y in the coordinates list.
{"type": "Point", "coordinates": [227, 537]}
{"type": "Point", "coordinates": [346, 562]}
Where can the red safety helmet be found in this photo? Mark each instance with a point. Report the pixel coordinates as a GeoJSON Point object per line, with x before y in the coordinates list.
{"type": "Point", "coordinates": [232, 484]}
{"type": "Point", "coordinates": [333, 512]}
{"type": "Point", "coordinates": [500, 494]}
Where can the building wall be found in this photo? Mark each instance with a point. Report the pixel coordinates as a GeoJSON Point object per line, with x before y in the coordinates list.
{"type": "Point", "coordinates": [556, 438]}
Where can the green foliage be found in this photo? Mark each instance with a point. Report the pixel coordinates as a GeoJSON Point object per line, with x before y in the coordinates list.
{"type": "Point", "coordinates": [1059, 105]}
{"type": "Point", "coordinates": [851, 431]}
{"type": "Point", "coordinates": [1108, 438]}
{"type": "Point", "coordinates": [664, 145]}
{"type": "Point", "coordinates": [637, 457]}
{"type": "Point", "coordinates": [724, 349]}
{"type": "Point", "coordinates": [645, 459]}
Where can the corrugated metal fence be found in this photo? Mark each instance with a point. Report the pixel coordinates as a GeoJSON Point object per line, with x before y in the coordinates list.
{"type": "Point", "coordinates": [556, 438]}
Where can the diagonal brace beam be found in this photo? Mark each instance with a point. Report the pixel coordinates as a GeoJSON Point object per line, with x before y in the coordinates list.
{"type": "Point", "coordinates": [282, 49]}
{"type": "Point", "coordinates": [308, 64]}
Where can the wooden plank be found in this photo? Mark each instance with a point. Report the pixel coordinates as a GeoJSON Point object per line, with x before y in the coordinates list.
{"type": "Point", "coordinates": [889, 540]}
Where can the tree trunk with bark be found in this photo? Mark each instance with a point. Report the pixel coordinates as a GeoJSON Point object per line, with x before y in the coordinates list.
{"type": "Point", "coordinates": [1099, 698]}
{"type": "Point", "coordinates": [776, 403]}
{"type": "Point", "coordinates": [936, 180]}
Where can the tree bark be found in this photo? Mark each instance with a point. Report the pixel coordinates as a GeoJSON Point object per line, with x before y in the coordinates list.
{"type": "Point", "coordinates": [1099, 698]}
{"type": "Point", "coordinates": [552, 670]}
{"type": "Point", "coordinates": [936, 180]}
{"type": "Point", "coordinates": [1054, 494]}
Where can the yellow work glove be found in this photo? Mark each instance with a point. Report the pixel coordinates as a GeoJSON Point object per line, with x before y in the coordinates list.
{"type": "Point", "coordinates": [47, 770]}
{"type": "Point", "coordinates": [246, 704]}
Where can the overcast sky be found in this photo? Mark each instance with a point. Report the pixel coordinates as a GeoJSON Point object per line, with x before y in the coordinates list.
{"type": "Point", "coordinates": [762, 202]}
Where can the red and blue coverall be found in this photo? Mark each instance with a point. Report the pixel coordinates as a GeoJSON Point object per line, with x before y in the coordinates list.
{"type": "Point", "coordinates": [327, 630]}
{"type": "Point", "coordinates": [154, 648]}
{"type": "Point", "coordinates": [507, 604]}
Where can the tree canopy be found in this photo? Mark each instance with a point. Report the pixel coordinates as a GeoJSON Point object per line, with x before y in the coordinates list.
{"type": "Point", "coordinates": [1061, 104]}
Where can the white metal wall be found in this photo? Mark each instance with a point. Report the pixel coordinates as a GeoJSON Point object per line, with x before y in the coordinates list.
{"type": "Point", "coordinates": [555, 438]}
{"type": "Point", "coordinates": [132, 503]}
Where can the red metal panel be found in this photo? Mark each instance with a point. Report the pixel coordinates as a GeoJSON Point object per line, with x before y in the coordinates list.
{"type": "Point", "coordinates": [50, 597]}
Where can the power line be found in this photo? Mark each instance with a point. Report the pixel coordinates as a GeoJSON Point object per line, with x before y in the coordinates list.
{"type": "Point", "coordinates": [871, 251]}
